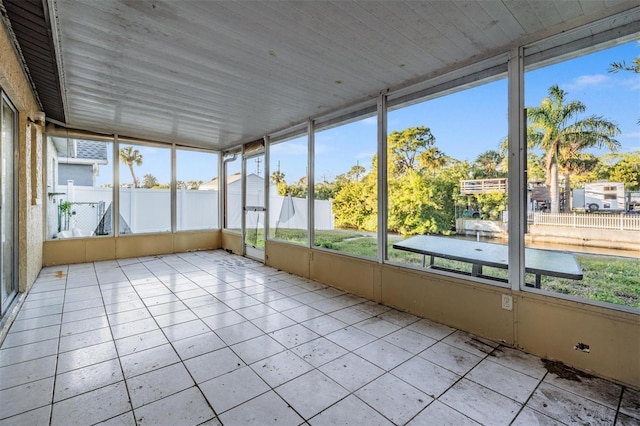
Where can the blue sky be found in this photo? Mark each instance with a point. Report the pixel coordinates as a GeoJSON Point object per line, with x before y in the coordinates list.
{"type": "Point", "coordinates": [465, 124]}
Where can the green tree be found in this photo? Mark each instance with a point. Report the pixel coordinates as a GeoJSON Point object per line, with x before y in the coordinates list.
{"type": "Point", "coordinates": [131, 157]}
{"type": "Point", "coordinates": [488, 165]}
{"type": "Point", "coordinates": [277, 178]}
{"type": "Point", "coordinates": [555, 128]}
{"type": "Point", "coordinates": [624, 167]}
{"type": "Point", "coordinates": [412, 149]}
{"type": "Point", "coordinates": [149, 181]}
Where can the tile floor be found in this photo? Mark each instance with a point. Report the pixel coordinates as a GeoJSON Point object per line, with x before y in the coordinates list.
{"type": "Point", "coordinates": [212, 338]}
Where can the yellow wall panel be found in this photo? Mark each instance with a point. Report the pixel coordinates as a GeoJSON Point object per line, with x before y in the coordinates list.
{"type": "Point", "coordinates": [288, 257]}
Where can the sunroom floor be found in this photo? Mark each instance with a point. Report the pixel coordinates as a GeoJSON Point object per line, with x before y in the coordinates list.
{"type": "Point", "coordinates": [214, 338]}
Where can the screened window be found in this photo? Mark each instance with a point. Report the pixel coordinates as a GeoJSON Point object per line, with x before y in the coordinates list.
{"type": "Point", "coordinates": [447, 179]}
{"type": "Point", "coordinates": [80, 188]}
{"type": "Point", "coordinates": [589, 172]}
{"type": "Point", "coordinates": [196, 190]}
{"type": "Point", "coordinates": [145, 189]}
{"type": "Point", "coordinates": [346, 185]}
{"type": "Point", "coordinates": [288, 190]}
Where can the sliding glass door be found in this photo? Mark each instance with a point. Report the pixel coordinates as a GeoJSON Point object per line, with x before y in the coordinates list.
{"type": "Point", "coordinates": [8, 285]}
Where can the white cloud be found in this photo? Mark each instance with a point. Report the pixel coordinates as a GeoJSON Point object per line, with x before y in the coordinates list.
{"type": "Point", "coordinates": [371, 120]}
{"type": "Point", "coordinates": [589, 81]}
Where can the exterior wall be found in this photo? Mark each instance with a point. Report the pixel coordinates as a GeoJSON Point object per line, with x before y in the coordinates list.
{"type": "Point", "coordinates": [80, 250]}
{"type": "Point", "coordinates": [539, 324]}
{"type": "Point", "coordinates": [80, 174]}
{"type": "Point", "coordinates": [30, 141]}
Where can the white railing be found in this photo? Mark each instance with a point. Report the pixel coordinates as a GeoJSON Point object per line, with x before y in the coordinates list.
{"type": "Point", "coordinates": [624, 222]}
{"type": "Point", "coordinates": [483, 186]}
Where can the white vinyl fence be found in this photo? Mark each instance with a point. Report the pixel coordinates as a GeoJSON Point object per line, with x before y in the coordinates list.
{"type": "Point", "coordinates": [149, 210]}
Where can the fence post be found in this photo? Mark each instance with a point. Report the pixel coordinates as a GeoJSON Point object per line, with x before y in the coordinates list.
{"type": "Point", "coordinates": [575, 219]}
{"type": "Point", "coordinates": [622, 221]}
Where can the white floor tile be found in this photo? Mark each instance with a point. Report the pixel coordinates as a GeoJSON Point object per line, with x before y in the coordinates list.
{"type": "Point", "coordinates": [258, 348]}
{"type": "Point", "coordinates": [351, 371]}
{"type": "Point", "coordinates": [84, 357]}
{"type": "Point", "coordinates": [141, 342]}
{"type": "Point", "coordinates": [594, 388]}
{"type": "Point", "coordinates": [281, 368]}
{"type": "Point", "coordinates": [185, 408]}
{"type": "Point", "coordinates": [213, 364]}
{"type": "Point", "coordinates": [350, 411]}
{"type": "Point", "coordinates": [311, 393]}
{"type": "Point", "coordinates": [470, 343]}
{"type": "Point", "coordinates": [528, 417]}
{"type": "Point", "coordinates": [394, 398]}
{"type": "Point", "coordinates": [148, 360]}
{"type": "Point", "coordinates": [383, 354]}
{"type": "Point", "coordinates": [319, 351]}
{"type": "Point", "coordinates": [76, 382]}
{"type": "Point", "coordinates": [481, 404]}
{"type": "Point", "coordinates": [440, 414]}
{"type": "Point", "coordinates": [157, 384]}
{"type": "Point", "coordinates": [232, 389]}
{"type": "Point", "coordinates": [238, 332]}
{"type": "Point", "coordinates": [630, 403]}
{"type": "Point", "coordinates": [265, 410]}
{"type": "Point", "coordinates": [198, 345]}
{"type": "Point", "coordinates": [451, 358]}
{"type": "Point", "coordinates": [92, 407]}
{"type": "Point", "coordinates": [184, 330]}
{"type": "Point", "coordinates": [26, 397]}
{"type": "Point", "coordinates": [429, 378]}
{"type": "Point", "coordinates": [567, 407]}
{"type": "Point", "coordinates": [504, 380]}
{"type": "Point", "coordinates": [293, 336]}
{"type": "Point", "coordinates": [350, 338]}
{"type": "Point", "coordinates": [410, 340]}
{"type": "Point", "coordinates": [38, 417]}
{"type": "Point", "coordinates": [28, 371]}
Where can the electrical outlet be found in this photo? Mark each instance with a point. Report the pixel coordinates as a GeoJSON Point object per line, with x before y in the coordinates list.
{"type": "Point", "coordinates": [507, 302]}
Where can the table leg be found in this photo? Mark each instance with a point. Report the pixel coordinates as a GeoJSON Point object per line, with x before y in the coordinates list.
{"type": "Point", "coordinates": [538, 280]}
{"type": "Point", "coordinates": [476, 269]}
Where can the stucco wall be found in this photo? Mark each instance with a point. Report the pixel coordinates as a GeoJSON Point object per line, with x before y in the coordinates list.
{"type": "Point", "coordinates": [30, 139]}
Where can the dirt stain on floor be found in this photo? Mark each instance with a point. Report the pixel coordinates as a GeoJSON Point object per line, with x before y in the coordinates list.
{"type": "Point", "coordinates": [564, 371]}
{"type": "Point", "coordinates": [60, 274]}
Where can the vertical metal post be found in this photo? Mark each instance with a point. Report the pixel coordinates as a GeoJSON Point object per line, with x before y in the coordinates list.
{"type": "Point", "coordinates": [382, 177]}
{"type": "Point", "coordinates": [311, 223]}
{"type": "Point", "coordinates": [517, 168]}
{"type": "Point", "coordinates": [221, 189]}
{"type": "Point", "coordinates": [173, 191]}
{"type": "Point", "coordinates": [115, 206]}
{"type": "Point", "coordinates": [243, 203]}
{"type": "Point", "coordinates": [267, 192]}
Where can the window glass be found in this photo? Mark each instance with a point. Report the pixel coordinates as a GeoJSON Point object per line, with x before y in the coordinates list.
{"type": "Point", "coordinates": [196, 190]}
{"type": "Point", "coordinates": [584, 175]}
{"type": "Point", "coordinates": [145, 190]}
{"type": "Point", "coordinates": [447, 181]}
{"type": "Point", "coordinates": [79, 188]}
{"type": "Point", "coordinates": [233, 193]}
{"type": "Point", "coordinates": [346, 198]}
{"type": "Point", "coordinates": [288, 187]}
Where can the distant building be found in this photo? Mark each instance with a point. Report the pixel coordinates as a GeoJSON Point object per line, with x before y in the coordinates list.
{"type": "Point", "coordinates": [79, 160]}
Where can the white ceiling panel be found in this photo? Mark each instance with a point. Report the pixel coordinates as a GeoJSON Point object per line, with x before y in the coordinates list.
{"type": "Point", "coordinates": [216, 73]}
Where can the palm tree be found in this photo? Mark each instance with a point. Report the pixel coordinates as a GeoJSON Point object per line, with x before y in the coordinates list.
{"type": "Point", "coordinates": [488, 165]}
{"type": "Point", "coordinates": [554, 127]}
{"type": "Point", "coordinates": [130, 156]}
